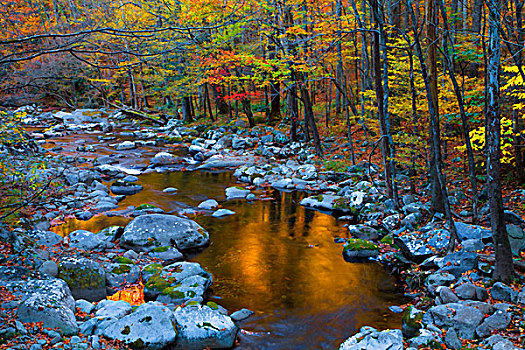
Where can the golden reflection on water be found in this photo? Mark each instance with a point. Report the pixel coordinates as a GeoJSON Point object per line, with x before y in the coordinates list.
{"type": "Point", "coordinates": [276, 258]}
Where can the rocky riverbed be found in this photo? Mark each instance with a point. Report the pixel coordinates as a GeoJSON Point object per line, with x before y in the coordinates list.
{"type": "Point", "coordinates": [62, 283]}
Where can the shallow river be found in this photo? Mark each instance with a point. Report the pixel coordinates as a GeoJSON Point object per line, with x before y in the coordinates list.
{"type": "Point", "coordinates": [277, 259]}
{"type": "Point", "coordinates": [273, 257]}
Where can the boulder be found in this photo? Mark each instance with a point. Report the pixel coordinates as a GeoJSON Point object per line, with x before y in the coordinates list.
{"type": "Point", "coordinates": [164, 158]}
{"type": "Point", "coordinates": [458, 263]}
{"type": "Point", "coordinates": [418, 245]}
{"type": "Point", "coordinates": [125, 188]}
{"type": "Point", "coordinates": [236, 193]}
{"type": "Point", "coordinates": [502, 292]}
{"type": "Point", "coordinates": [467, 231]}
{"type": "Point", "coordinates": [85, 240]}
{"type": "Point", "coordinates": [47, 300]}
{"type": "Point", "coordinates": [222, 212]}
{"type": "Point", "coordinates": [150, 326]}
{"type": "Point", "coordinates": [499, 320]}
{"type": "Point", "coordinates": [516, 238]}
{"type": "Point", "coordinates": [86, 278]}
{"type": "Point", "coordinates": [146, 232]}
{"type": "Point", "coordinates": [363, 232]}
{"type": "Point", "coordinates": [119, 274]}
{"type": "Point", "coordinates": [370, 338]}
{"type": "Point", "coordinates": [358, 250]}
{"type": "Point", "coordinates": [177, 283]}
{"type": "Point", "coordinates": [201, 327]}
{"type": "Point", "coordinates": [126, 145]}
{"type": "Point", "coordinates": [208, 204]}
{"type": "Point", "coordinates": [112, 309]}
{"type": "Point", "coordinates": [329, 203]}
{"type": "Point", "coordinates": [463, 318]}
{"type": "Point", "coordinates": [412, 321]}
{"type": "Point", "coordinates": [46, 238]}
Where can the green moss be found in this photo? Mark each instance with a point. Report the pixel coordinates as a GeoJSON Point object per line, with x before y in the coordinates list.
{"type": "Point", "coordinates": [161, 249]}
{"type": "Point", "coordinates": [212, 305]}
{"type": "Point", "coordinates": [356, 244]}
{"type": "Point", "coordinates": [123, 260]}
{"type": "Point", "coordinates": [173, 292]}
{"type": "Point", "coordinates": [341, 203]}
{"type": "Point", "coordinates": [191, 293]}
{"type": "Point", "coordinates": [126, 330]}
{"type": "Point", "coordinates": [194, 285]}
{"type": "Point", "coordinates": [137, 344]}
{"type": "Point", "coordinates": [153, 268]}
{"type": "Point", "coordinates": [412, 321]}
{"type": "Point", "coordinates": [77, 277]}
{"type": "Point", "coordinates": [388, 239]}
{"type": "Point", "coordinates": [192, 303]}
{"type": "Point", "coordinates": [146, 206]}
{"type": "Point", "coordinates": [123, 268]}
{"type": "Point", "coordinates": [319, 198]}
{"type": "Point", "coordinates": [157, 283]}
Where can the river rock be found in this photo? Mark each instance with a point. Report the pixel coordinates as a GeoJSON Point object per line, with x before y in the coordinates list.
{"type": "Point", "coordinates": [499, 320]}
{"type": "Point", "coordinates": [46, 238]}
{"type": "Point", "coordinates": [463, 318]}
{"type": "Point", "coordinates": [164, 158]}
{"type": "Point", "coordinates": [222, 212]}
{"type": "Point", "coordinates": [49, 268]}
{"type": "Point", "coordinates": [150, 326]}
{"type": "Point", "coordinates": [208, 204]}
{"type": "Point", "coordinates": [119, 274]}
{"type": "Point", "coordinates": [158, 230]}
{"type": "Point", "coordinates": [419, 245]}
{"type": "Point", "coordinates": [86, 278]}
{"type": "Point", "coordinates": [502, 292]}
{"type": "Point", "coordinates": [411, 321]}
{"type": "Point", "coordinates": [241, 315]}
{"type": "Point", "coordinates": [85, 240]}
{"type": "Point", "coordinates": [458, 263]}
{"type": "Point", "coordinates": [439, 279]}
{"type": "Point", "coordinates": [330, 203]}
{"type": "Point", "coordinates": [236, 193]}
{"type": "Point", "coordinates": [46, 300]}
{"type": "Point", "coordinates": [201, 327]}
{"type": "Point", "coordinates": [126, 145]}
{"type": "Point", "coordinates": [112, 309]}
{"type": "Point", "coordinates": [124, 187]}
{"type": "Point", "coordinates": [176, 283]}
{"type": "Point", "coordinates": [166, 254]}
{"type": "Point", "coordinates": [467, 231]}
{"type": "Point", "coordinates": [363, 232]}
{"type": "Point", "coordinates": [472, 245]}
{"type": "Point", "coordinates": [370, 338]}
{"type": "Point", "coordinates": [358, 249]}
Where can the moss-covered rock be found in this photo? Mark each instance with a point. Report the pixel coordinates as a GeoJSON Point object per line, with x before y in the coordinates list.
{"type": "Point", "coordinates": [123, 260]}
{"type": "Point", "coordinates": [412, 321]}
{"type": "Point", "coordinates": [359, 250]}
{"type": "Point", "coordinates": [85, 278]}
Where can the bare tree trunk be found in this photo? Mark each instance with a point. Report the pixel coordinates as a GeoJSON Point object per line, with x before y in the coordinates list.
{"type": "Point", "coordinates": [449, 61]}
{"type": "Point", "coordinates": [504, 268]}
{"type": "Point", "coordinates": [435, 154]}
{"type": "Point", "coordinates": [186, 110]}
{"type": "Point", "coordinates": [435, 135]}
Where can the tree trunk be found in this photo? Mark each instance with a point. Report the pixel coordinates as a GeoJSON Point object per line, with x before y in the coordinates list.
{"type": "Point", "coordinates": [504, 266]}
{"type": "Point", "coordinates": [186, 110]}
{"type": "Point", "coordinates": [435, 154]}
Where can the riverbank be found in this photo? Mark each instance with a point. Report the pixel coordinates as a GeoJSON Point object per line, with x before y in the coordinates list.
{"type": "Point", "coordinates": [147, 250]}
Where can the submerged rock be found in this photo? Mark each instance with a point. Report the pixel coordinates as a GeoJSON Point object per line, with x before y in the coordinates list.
{"type": "Point", "coordinates": [146, 232]}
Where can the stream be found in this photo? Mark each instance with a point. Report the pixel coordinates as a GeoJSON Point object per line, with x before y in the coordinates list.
{"type": "Point", "coordinates": [273, 257]}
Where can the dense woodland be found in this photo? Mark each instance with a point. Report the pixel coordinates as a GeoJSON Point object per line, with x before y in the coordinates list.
{"type": "Point", "coordinates": [435, 88]}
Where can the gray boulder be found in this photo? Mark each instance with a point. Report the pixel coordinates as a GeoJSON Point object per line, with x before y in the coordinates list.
{"type": "Point", "coordinates": [499, 320]}
{"type": "Point", "coordinates": [119, 274]}
{"type": "Point", "coordinates": [502, 292]}
{"type": "Point", "coordinates": [86, 278]}
{"type": "Point", "coordinates": [46, 238]}
{"type": "Point", "coordinates": [516, 238]}
{"type": "Point", "coordinates": [463, 318]}
{"type": "Point", "coordinates": [363, 232]}
{"type": "Point", "coordinates": [236, 193]}
{"type": "Point", "coordinates": [48, 301]}
{"type": "Point", "coordinates": [370, 338]}
{"type": "Point", "coordinates": [112, 309]}
{"type": "Point", "coordinates": [177, 283]}
{"type": "Point", "coordinates": [458, 263]}
{"type": "Point", "coordinates": [200, 327]}
{"type": "Point", "coordinates": [208, 204]}
{"type": "Point", "coordinates": [125, 188]}
{"type": "Point", "coordinates": [150, 326]}
{"type": "Point", "coordinates": [421, 245]}
{"type": "Point", "coordinates": [158, 230]}
{"type": "Point", "coordinates": [467, 231]}
{"type": "Point", "coordinates": [85, 240]}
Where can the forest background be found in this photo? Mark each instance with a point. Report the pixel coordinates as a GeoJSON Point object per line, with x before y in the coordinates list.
{"type": "Point", "coordinates": [436, 87]}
